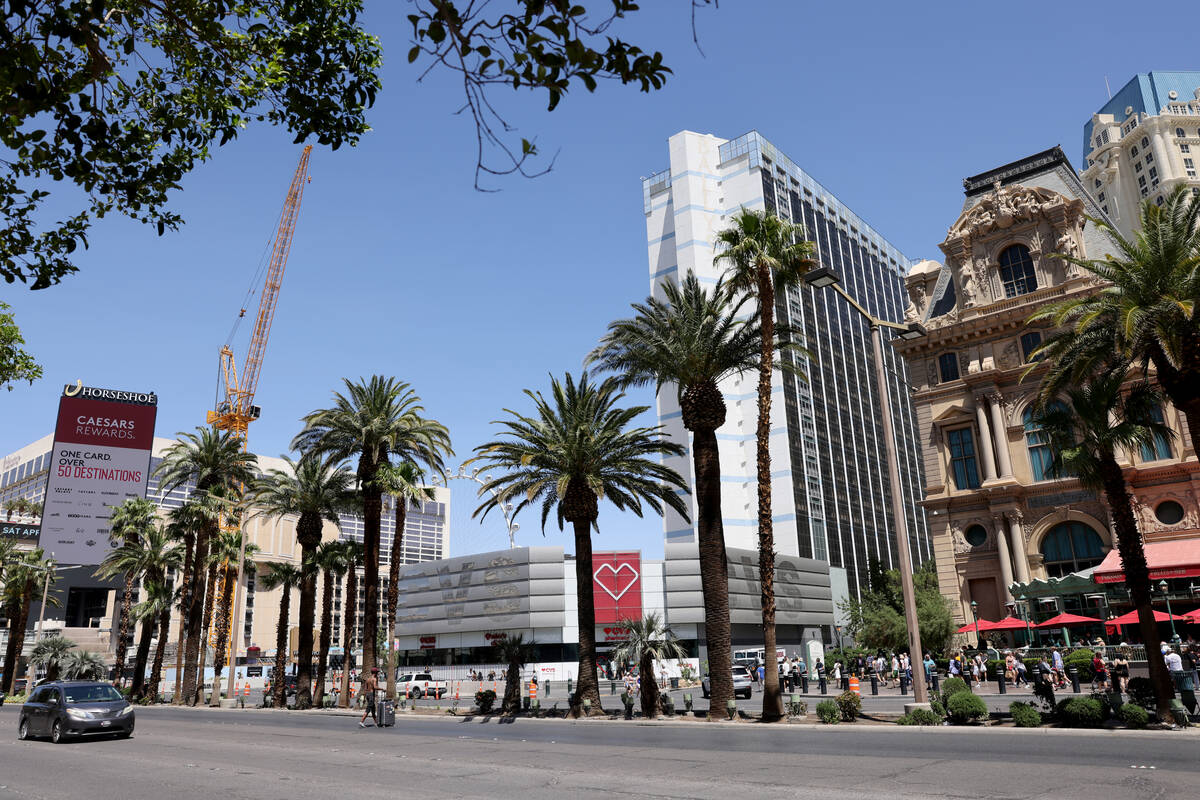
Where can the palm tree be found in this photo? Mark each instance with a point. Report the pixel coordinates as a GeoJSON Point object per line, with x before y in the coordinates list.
{"type": "Point", "coordinates": [284, 577]}
{"type": "Point", "coordinates": [372, 421]}
{"type": "Point", "coordinates": [403, 483]}
{"type": "Point", "coordinates": [226, 548]}
{"type": "Point", "coordinates": [156, 609]}
{"type": "Point", "coordinates": [12, 507]}
{"type": "Point", "coordinates": [331, 560]}
{"type": "Point", "coordinates": [147, 558]}
{"type": "Point", "coordinates": [129, 522]}
{"type": "Point", "coordinates": [316, 489]}
{"type": "Point", "coordinates": [1085, 436]}
{"type": "Point", "coordinates": [23, 580]}
{"type": "Point", "coordinates": [49, 654]}
{"type": "Point", "coordinates": [514, 651]}
{"type": "Point", "coordinates": [1149, 315]}
{"type": "Point", "coordinates": [765, 254]}
{"type": "Point", "coordinates": [649, 640]}
{"type": "Point", "coordinates": [211, 460]}
{"type": "Point", "coordinates": [83, 665]}
{"type": "Point", "coordinates": [578, 448]}
{"type": "Point", "coordinates": [353, 556]}
{"type": "Point", "coordinates": [693, 339]}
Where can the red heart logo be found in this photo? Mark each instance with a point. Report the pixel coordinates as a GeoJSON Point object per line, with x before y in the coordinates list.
{"type": "Point", "coordinates": [614, 582]}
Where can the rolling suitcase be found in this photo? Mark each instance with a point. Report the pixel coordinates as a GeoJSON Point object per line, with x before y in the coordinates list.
{"type": "Point", "coordinates": [385, 713]}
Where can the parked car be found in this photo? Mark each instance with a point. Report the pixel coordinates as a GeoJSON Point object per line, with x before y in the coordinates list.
{"type": "Point", "coordinates": [743, 684]}
{"type": "Point", "coordinates": [419, 684]}
{"type": "Point", "coordinates": [75, 708]}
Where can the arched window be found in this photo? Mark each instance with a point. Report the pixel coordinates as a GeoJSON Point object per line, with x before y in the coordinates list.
{"type": "Point", "coordinates": [1160, 448]}
{"type": "Point", "coordinates": [1016, 271]}
{"type": "Point", "coordinates": [1179, 132]}
{"type": "Point", "coordinates": [1071, 547]}
{"type": "Point", "coordinates": [1041, 457]}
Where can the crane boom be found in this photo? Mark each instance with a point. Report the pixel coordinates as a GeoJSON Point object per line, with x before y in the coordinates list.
{"type": "Point", "coordinates": [237, 410]}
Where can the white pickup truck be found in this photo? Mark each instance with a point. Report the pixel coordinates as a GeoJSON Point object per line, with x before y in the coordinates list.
{"type": "Point", "coordinates": [419, 684]}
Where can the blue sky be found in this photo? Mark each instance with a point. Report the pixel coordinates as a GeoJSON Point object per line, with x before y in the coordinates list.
{"type": "Point", "coordinates": [399, 267]}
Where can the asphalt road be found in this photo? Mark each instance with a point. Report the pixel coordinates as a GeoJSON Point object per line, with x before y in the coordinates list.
{"type": "Point", "coordinates": [186, 753]}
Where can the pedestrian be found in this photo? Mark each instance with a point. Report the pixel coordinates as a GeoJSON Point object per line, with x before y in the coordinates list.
{"type": "Point", "coordinates": [1187, 655]}
{"type": "Point", "coordinates": [930, 668]}
{"type": "Point", "coordinates": [798, 670]}
{"type": "Point", "coordinates": [1099, 673]}
{"type": "Point", "coordinates": [370, 687]}
{"type": "Point", "coordinates": [906, 668]}
{"type": "Point", "coordinates": [1046, 671]}
{"type": "Point", "coordinates": [1174, 662]}
{"type": "Point", "coordinates": [820, 669]}
{"type": "Point", "coordinates": [762, 673]}
{"type": "Point", "coordinates": [1060, 672]}
{"type": "Point", "coordinates": [894, 675]}
{"type": "Point", "coordinates": [1119, 672]}
{"type": "Point", "coordinates": [954, 668]}
{"type": "Point", "coordinates": [837, 673]}
{"type": "Point", "coordinates": [1022, 673]}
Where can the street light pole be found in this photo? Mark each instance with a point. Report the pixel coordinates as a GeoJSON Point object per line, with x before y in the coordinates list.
{"type": "Point", "coordinates": [1170, 617]}
{"type": "Point", "coordinates": [37, 632]}
{"type": "Point", "coordinates": [975, 616]}
{"type": "Point", "coordinates": [825, 277]}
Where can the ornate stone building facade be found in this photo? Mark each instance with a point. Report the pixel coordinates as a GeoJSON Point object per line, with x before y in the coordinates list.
{"type": "Point", "coordinates": [997, 514]}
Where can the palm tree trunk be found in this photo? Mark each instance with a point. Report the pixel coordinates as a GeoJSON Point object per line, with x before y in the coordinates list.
{"type": "Point", "coordinates": [18, 618]}
{"type": "Point", "coordinates": [206, 629]}
{"type": "Point", "coordinates": [224, 620]}
{"type": "Point", "coordinates": [325, 639]}
{"type": "Point", "coordinates": [349, 621]}
{"type": "Point", "coordinates": [1137, 579]}
{"type": "Point", "coordinates": [143, 654]}
{"type": "Point", "coordinates": [308, 612]}
{"type": "Point", "coordinates": [393, 593]}
{"type": "Point", "coordinates": [279, 687]}
{"type": "Point", "coordinates": [512, 690]}
{"type": "Point", "coordinates": [164, 632]}
{"type": "Point", "coordinates": [372, 515]}
{"type": "Point", "coordinates": [589, 683]}
{"type": "Point", "coordinates": [649, 688]}
{"type": "Point", "coordinates": [123, 634]}
{"type": "Point", "coordinates": [772, 709]}
{"type": "Point", "coordinates": [185, 603]}
{"type": "Point", "coordinates": [195, 618]}
{"type": "Point", "coordinates": [714, 569]}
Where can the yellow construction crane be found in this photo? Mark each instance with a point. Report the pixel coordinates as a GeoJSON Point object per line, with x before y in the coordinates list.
{"type": "Point", "coordinates": [237, 410]}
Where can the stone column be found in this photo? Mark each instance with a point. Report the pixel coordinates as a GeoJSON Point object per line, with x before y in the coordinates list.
{"type": "Point", "coordinates": [1017, 538]}
{"type": "Point", "coordinates": [1163, 156]}
{"type": "Point", "coordinates": [1000, 438]}
{"type": "Point", "coordinates": [985, 440]}
{"type": "Point", "coordinates": [1006, 573]}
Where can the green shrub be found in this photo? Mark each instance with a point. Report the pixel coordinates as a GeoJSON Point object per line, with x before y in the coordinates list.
{"type": "Point", "coordinates": [952, 686]}
{"type": "Point", "coordinates": [1106, 704]}
{"type": "Point", "coordinates": [920, 716]}
{"type": "Point", "coordinates": [937, 708]}
{"type": "Point", "coordinates": [964, 706]}
{"type": "Point", "coordinates": [1081, 712]}
{"type": "Point", "coordinates": [484, 700]}
{"type": "Point", "coordinates": [1044, 691]}
{"type": "Point", "coordinates": [1134, 716]}
{"type": "Point", "coordinates": [850, 705]}
{"type": "Point", "coordinates": [797, 708]}
{"type": "Point", "coordinates": [1025, 715]}
{"type": "Point", "coordinates": [1141, 691]}
{"type": "Point", "coordinates": [829, 712]}
{"type": "Point", "coordinates": [1082, 661]}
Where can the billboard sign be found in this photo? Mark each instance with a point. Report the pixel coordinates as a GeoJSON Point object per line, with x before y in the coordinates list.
{"type": "Point", "coordinates": [101, 458]}
{"type": "Point", "coordinates": [18, 531]}
{"type": "Point", "coordinates": [617, 585]}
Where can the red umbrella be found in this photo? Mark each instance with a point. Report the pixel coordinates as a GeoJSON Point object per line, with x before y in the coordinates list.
{"type": "Point", "coordinates": [1063, 620]}
{"type": "Point", "coordinates": [984, 625]}
{"type": "Point", "coordinates": [1159, 616]}
{"type": "Point", "coordinates": [1009, 623]}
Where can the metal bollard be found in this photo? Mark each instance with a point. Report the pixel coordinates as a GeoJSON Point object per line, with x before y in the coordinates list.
{"type": "Point", "coordinates": [570, 686]}
{"type": "Point", "coordinates": [874, 684]}
{"type": "Point", "coordinates": [1074, 675]}
{"type": "Point", "coordinates": [845, 683]}
{"type": "Point", "coordinates": [1000, 681]}
{"type": "Point", "coordinates": [824, 689]}
{"type": "Point", "coordinates": [612, 687]}
{"type": "Point", "coordinates": [935, 680]}
{"type": "Point", "coordinates": [903, 684]}
{"type": "Point", "coordinates": [804, 683]}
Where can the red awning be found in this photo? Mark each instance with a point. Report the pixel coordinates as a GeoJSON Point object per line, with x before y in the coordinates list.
{"type": "Point", "coordinates": [1176, 559]}
{"type": "Point", "coordinates": [1008, 624]}
{"type": "Point", "coordinates": [1159, 616]}
{"type": "Point", "coordinates": [984, 625]}
{"type": "Point", "coordinates": [1066, 620]}
{"type": "Point", "coordinates": [1193, 615]}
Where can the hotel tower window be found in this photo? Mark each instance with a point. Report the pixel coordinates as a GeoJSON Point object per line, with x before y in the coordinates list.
{"type": "Point", "coordinates": [1016, 271]}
